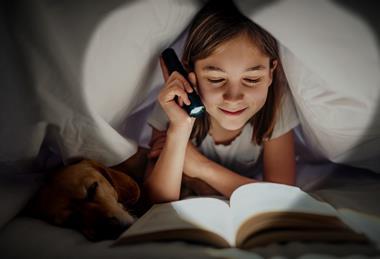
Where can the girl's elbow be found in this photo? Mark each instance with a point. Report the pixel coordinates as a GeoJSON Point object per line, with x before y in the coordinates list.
{"type": "Point", "coordinates": [159, 198]}
{"type": "Point", "coordinates": [158, 195]}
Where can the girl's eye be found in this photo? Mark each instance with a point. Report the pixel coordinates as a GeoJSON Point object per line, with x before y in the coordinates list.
{"type": "Point", "coordinates": [250, 81]}
{"type": "Point", "coordinates": [215, 81]}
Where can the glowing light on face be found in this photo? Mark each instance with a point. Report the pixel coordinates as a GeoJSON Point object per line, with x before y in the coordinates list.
{"type": "Point", "coordinates": [233, 82]}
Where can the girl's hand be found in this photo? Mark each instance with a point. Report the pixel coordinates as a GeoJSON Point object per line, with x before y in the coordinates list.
{"type": "Point", "coordinates": [176, 86]}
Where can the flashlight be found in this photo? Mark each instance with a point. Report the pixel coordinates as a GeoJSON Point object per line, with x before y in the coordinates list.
{"type": "Point", "coordinates": [196, 108]}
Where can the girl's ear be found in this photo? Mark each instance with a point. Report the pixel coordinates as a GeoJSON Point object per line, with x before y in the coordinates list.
{"type": "Point", "coordinates": [193, 79]}
{"type": "Point", "coordinates": [273, 66]}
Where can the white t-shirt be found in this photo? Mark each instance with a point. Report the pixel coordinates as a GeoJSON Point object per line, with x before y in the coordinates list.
{"type": "Point", "coordinates": [241, 155]}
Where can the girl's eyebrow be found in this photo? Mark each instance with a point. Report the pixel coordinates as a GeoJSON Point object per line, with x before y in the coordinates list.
{"type": "Point", "coordinates": [258, 67]}
{"type": "Point", "coordinates": [213, 68]}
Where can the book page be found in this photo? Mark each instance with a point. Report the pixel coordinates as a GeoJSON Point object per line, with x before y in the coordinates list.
{"type": "Point", "coordinates": [361, 222]}
{"type": "Point", "coordinates": [211, 214]}
{"type": "Point", "coordinates": [256, 198]}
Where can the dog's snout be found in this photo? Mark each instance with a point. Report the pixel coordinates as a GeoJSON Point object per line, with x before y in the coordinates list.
{"type": "Point", "coordinates": [113, 221]}
{"type": "Point", "coordinates": [108, 228]}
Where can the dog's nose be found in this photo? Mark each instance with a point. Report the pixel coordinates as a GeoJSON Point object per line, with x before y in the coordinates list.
{"type": "Point", "coordinates": [112, 220]}
{"type": "Point", "coordinates": [114, 223]}
{"type": "Point", "coordinates": [109, 228]}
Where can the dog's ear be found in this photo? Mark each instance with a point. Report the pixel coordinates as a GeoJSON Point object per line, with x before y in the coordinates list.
{"type": "Point", "coordinates": [127, 188]}
{"type": "Point", "coordinates": [101, 169]}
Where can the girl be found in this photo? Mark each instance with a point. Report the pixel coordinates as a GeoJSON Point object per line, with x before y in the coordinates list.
{"type": "Point", "coordinates": [234, 66]}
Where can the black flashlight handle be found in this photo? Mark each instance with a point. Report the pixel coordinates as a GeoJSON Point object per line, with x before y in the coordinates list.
{"type": "Point", "coordinates": [172, 62]}
{"type": "Point", "coordinates": [196, 108]}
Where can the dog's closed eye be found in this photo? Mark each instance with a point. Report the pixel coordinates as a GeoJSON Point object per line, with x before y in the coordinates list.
{"type": "Point", "coordinates": [91, 191]}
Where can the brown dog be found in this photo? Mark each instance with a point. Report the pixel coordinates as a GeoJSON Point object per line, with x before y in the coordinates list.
{"type": "Point", "coordinates": [89, 197]}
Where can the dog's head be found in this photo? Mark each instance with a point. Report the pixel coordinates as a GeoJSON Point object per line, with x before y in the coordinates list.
{"type": "Point", "coordinates": [89, 197]}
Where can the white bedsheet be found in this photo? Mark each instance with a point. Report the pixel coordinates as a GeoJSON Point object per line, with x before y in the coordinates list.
{"type": "Point", "coordinates": [342, 186]}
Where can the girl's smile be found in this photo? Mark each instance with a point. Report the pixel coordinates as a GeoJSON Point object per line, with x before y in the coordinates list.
{"type": "Point", "coordinates": [231, 112]}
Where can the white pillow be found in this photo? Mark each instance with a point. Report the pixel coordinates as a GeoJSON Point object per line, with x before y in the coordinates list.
{"type": "Point", "coordinates": [332, 63]}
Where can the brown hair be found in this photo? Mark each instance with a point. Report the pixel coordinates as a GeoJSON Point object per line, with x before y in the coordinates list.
{"type": "Point", "coordinates": [217, 22]}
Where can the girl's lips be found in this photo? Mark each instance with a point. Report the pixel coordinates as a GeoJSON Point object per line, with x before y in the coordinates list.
{"type": "Point", "coordinates": [233, 112]}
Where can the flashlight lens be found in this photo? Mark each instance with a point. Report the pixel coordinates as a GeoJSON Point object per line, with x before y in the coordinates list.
{"type": "Point", "coordinates": [197, 111]}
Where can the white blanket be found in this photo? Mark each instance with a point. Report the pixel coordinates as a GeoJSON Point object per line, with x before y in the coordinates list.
{"type": "Point", "coordinates": [90, 67]}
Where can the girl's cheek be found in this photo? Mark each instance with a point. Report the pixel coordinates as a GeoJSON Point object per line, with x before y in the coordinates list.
{"type": "Point", "coordinates": [203, 92]}
{"type": "Point", "coordinates": [210, 97]}
{"type": "Point", "coordinates": [260, 98]}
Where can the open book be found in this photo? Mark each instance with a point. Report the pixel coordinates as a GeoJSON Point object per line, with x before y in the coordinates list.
{"type": "Point", "coordinates": [256, 214]}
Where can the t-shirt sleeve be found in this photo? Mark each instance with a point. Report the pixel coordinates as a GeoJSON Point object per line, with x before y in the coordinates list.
{"type": "Point", "coordinates": [288, 118]}
{"type": "Point", "coordinates": [158, 118]}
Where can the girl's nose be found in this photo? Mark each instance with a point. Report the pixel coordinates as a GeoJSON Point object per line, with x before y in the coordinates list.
{"type": "Point", "coordinates": [233, 93]}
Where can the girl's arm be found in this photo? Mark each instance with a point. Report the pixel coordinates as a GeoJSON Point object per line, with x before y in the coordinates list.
{"type": "Point", "coordinates": [217, 176]}
{"type": "Point", "coordinates": [163, 178]}
{"type": "Point", "coordinates": [279, 160]}
{"type": "Point", "coordinates": [279, 166]}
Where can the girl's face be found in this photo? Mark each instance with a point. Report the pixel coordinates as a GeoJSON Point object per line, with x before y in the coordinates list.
{"type": "Point", "coordinates": [233, 82]}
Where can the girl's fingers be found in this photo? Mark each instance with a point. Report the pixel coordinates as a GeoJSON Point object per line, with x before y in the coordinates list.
{"type": "Point", "coordinates": [188, 87]}
{"type": "Point", "coordinates": [183, 81]}
{"type": "Point", "coordinates": [174, 89]}
{"type": "Point", "coordinates": [175, 76]}
{"type": "Point", "coordinates": [154, 154]}
{"type": "Point", "coordinates": [158, 137]}
{"type": "Point", "coordinates": [158, 144]}
{"type": "Point", "coordinates": [173, 96]}
{"type": "Point", "coordinates": [155, 150]}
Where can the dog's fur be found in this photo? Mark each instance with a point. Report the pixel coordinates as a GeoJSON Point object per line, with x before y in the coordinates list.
{"type": "Point", "coordinates": [97, 200]}
{"type": "Point", "coordinates": [89, 197]}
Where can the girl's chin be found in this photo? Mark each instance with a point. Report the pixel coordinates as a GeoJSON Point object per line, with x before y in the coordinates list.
{"type": "Point", "coordinates": [233, 126]}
